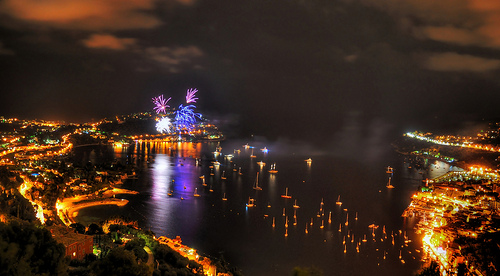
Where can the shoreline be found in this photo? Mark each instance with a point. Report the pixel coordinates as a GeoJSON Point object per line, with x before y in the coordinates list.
{"type": "Point", "coordinates": [67, 209]}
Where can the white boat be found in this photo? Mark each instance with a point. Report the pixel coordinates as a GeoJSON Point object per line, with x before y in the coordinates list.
{"type": "Point", "coordinates": [256, 187]}
{"type": "Point", "coordinates": [286, 195]}
{"type": "Point", "coordinates": [273, 169]}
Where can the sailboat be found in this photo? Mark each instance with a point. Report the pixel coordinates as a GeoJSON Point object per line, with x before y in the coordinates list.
{"type": "Point", "coordinates": [286, 195]}
{"type": "Point", "coordinates": [309, 161]}
{"type": "Point", "coordinates": [224, 197]}
{"type": "Point", "coordinates": [295, 205]}
{"type": "Point", "coordinates": [273, 169]}
{"type": "Point", "coordinates": [389, 169]}
{"type": "Point", "coordinates": [389, 185]}
{"type": "Point", "coordinates": [256, 187]}
{"type": "Point", "coordinates": [251, 202]}
{"type": "Point", "coordinates": [196, 194]}
{"type": "Point", "coordinates": [223, 176]}
{"type": "Point", "coordinates": [338, 201]}
{"type": "Point", "coordinates": [251, 155]}
{"type": "Point", "coordinates": [239, 171]}
{"type": "Point", "coordinates": [204, 184]}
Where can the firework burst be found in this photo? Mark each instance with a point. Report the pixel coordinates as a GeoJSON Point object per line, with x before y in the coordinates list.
{"type": "Point", "coordinates": [164, 125]}
{"type": "Point", "coordinates": [160, 104]}
{"type": "Point", "coordinates": [191, 92]}
{"type": "Point", "coordinates": [185, 117]}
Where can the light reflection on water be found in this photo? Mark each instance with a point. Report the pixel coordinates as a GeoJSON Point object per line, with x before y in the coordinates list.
{"type": "Point", "coordinates": [246, 236]}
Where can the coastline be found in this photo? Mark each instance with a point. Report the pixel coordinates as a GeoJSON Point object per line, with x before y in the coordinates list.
{"type": "Point", "coordinates": [68, 209]}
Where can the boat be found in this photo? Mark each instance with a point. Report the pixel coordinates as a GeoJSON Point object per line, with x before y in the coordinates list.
{"type": "Point", "coordinates": [338, 202]}
{"type": "Point", "coordinates": [223, 176]}
{"type": "Point", "coordinates": [196, 194]}
{"type": "Point", "coordinates": [322, 224]}
{"type": "Point", "coordinates": [256, 187]}
{"type": "Point", "coordinates": [330, 217]}
{"type": "Point", "coordinates": [170, 193]}
{"type": "Point", "coordinates": [389, 185]}
{"type": "Point", "coordinates": [286, 195]}
{"type": "Point", "coordinates": [389, 170]}
{"type": "Point", "coordinates": [295, 205]}
{"type": "Point", "coordinates": [347, 220]}
{"type": "Point", "coordinates": [251, 202]}
{"type": "Point", "coordinates": [273, 169]}
{"type": "Point", "coordinates": [251, 155]}
{"type": "Point", "coordinates": [239, 171]}
{"type": "Point", "coordinates": [309, 161]}
{"type": "Point", "coordinates": [211, 190]}
{"type": "Point", "coordinates": [264, 150]}
{"type": "Point", "coordinates": [246, 146]}
{"type": "Point", "coordinates": [373, 226]}
{"type": "Point", "coordinates": [224, 197]}
{"type": "Point", "coordinates": [204, 184]}
{"type": "Point", "coordinates": [261, 164]}
{"type": "Point", "coordinates": [202, 177]}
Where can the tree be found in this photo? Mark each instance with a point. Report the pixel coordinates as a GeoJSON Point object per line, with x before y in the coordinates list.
{"type": "Point", "coordinates": [120, 262]}
{"type": "Point", "coordinates": [26, 249]}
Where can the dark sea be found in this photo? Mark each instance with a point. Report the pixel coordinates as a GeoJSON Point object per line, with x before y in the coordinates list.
{"type": "Point", "coordinates": [338, 240]}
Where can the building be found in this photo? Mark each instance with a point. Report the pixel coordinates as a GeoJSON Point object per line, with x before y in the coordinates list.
{"type": "Point", "coordinates": [76, 245]}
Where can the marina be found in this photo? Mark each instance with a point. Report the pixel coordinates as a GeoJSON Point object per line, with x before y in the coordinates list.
{"type": "Point", "coordinates": [279, 221]}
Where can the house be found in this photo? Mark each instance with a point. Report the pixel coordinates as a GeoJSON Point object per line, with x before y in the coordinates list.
{"type": "Point", "coordinates": [76, 245]}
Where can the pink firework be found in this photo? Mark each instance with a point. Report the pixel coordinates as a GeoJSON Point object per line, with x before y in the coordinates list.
{"type": "Point", "coordinates": [190, 95]}
{"type": "Point", "coordinates": [160, 104]}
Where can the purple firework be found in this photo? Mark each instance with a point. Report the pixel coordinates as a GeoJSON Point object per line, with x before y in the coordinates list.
{"type": "Point", "coordinates": [160, 104]}
{"type": "Point", "coordinates": [190, 95]}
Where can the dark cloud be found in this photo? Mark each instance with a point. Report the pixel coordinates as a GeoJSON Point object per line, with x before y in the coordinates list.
{"type": "Point", "coordinates": [289, 68]}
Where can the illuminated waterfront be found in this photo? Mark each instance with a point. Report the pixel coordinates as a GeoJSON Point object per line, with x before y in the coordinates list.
{"type": "Point", "coordinates": [246, 236]}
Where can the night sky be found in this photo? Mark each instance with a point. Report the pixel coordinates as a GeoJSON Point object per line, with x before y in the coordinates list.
{"type": "Point", "coordinates": [299, 69]}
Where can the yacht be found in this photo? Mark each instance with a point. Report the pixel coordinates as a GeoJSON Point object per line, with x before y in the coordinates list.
{"type": "Point", "coordinates": [251, 202]}
{"type": "Point", "coordinates": [338, 202]}
{"type": "Point", "coordinates": [286, 195]}
{"type": "Point", "coordinates": [389, 185]}
{"type": "Point", "coordinates": [273, 169]}
{"type": "Point", "coordinates": [256, 187]}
